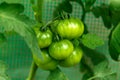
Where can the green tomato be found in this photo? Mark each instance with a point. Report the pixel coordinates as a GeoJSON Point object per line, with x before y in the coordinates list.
{"type": "Point", "coordinates": [115, 5]}
{"type": "Point", "coordinates": [48, 63]}
{"type": "Point", "coordinates": [70, 28]}
{"type": "Point", "coordinates": [73, 59]}
{"type": "Point", "coordinates": [61, 49]}
{"type": "Point", "coordinates": [44, 38]}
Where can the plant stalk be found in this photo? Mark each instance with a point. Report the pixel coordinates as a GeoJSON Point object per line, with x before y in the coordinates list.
{"type": "Point", "coordinates": [91, 78]}
{"type": "Point", "coordinates": [38, 16]}
{"type": "Point", "coordinates": [39, 12]}
{"type": "Point", "coordinates": [32, 72]}
{"type": "Point", "coordinates": [83, 15]}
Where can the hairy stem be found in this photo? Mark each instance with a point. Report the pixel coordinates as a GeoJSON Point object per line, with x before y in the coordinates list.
{"type": "Point", "coordinates": [83, 10]}
{"type": "Point", "coordinates": [91, 78]}
{"type": "Point", "coordinates": [40, 5]}
{"type": "Point", "coordinates": [32, 72]}
{"type": "Point", "coordinates": [83, 15]}
{"type": "Point", "coordinates": [37, 8]}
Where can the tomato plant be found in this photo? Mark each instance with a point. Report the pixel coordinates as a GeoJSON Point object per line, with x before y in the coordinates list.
{"type": "Point", "coordinates": [64, 40]}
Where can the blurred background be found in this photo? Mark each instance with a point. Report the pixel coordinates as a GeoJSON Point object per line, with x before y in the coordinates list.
{"type": "Point", "coordinates": [18, 56]}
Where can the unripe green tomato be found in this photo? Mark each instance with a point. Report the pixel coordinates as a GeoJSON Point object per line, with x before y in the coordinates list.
{"type": "Point", "coordinates": [114, 5]}
{"type": "Point", "coordinates": [48, 63]}
{"type": "Point", "coordinates": [44, 38]}
{"type": "Point", "coordinates": [70, 28]}
{"type": "Point", "coordinates": [73, 59]}
{"type": "Point", "coordinates": [61, 49]}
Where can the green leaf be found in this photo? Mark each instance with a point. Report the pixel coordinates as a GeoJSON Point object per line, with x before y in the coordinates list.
{"type": "Point", "coordinates": [90, 59]}
{"type": "Point", "coordinates": [108, 14]}
{"type": "Point", "coordinates": [103, 72]}
{"type": "Point", "coordinates": [2, 38]}
{"type": "Point", "coordinates": [100, 68]}
{"type": "Point", "coordinates": [86, 76]}
{"type": "Point", "coordinates": [105, 14]}
{"type": "Point", "coordinates": [32, 1]}
{"type": "Point", "coordinates": [57, 74]}
{"type": "Point", "coordinates": [13, 19]}
{"type": "Point", "coordinates": [4, 77]}
{"type": "Point", "coordinates": [114, 15]}
{"type": "Point", "coordinates": [10, 1]}
{"type": "Point", "coordinates": [114, 43]}
{"type": "Point", "coordinates": [96, 11]}
{"type": "Point", "coordinates": [91, 40]}
{"type": "Point", "coordinates": [3, 68]}
{"type": "Point", "coordinates": [114, 5]}
{"type": "Point", "coordinates": [64, 6]}
{"type": "Point", "coordinates": [103, 11]}
{"type": "Point", "coordinates": [115, 18]}
{"type": "Point", "coordinates": [75, 42]}
{"type": "Point", "coordinates": [88, 4]}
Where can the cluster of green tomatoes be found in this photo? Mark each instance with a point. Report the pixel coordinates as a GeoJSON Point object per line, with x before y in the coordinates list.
{"type": "Point", "coordinates": [59, 52]}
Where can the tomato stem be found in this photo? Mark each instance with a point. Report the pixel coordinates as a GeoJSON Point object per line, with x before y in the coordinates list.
{"type": "Point", "coordinates": [32, 2]}
{"type": "Point", "coordinates": [75, 42]}
{"type": "Point", "coordinates": [91, 78]}
{"type": "Point", "coordinates": [64, 15]}
{"type": "Point", "coordinates": [83, 15]}
{"type": "Point", "coordinates": [40, 5]}
{"type": "Point", "coordinates": [50, 22]}
{"type": "Point", "coordinates": [37, 8]}
{"type": "Point", "coordinates": [32, 72]}
{"type": "Point", "coordinates": [57, 37]}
